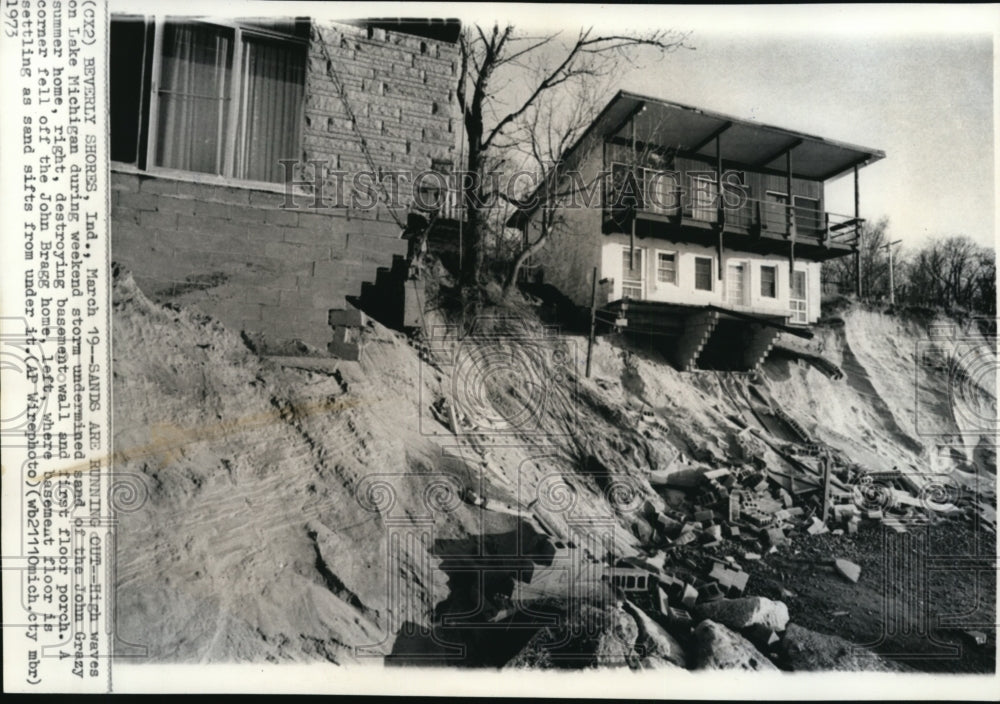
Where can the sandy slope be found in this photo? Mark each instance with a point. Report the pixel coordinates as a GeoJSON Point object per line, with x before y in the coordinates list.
{"type": "Point", "coordinates": [299, 515]}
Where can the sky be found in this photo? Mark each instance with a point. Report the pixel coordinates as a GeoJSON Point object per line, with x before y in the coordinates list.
{"type": "Point", "coordinates": [916, 81]}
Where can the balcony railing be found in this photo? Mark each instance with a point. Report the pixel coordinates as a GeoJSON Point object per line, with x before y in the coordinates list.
{"type": "Point", "coordinates": [701, 204]}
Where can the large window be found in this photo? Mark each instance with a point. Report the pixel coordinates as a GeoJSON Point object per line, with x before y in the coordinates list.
{"type": "Point", "coordinates": [703, 273]}
{"type": "Point", "coordinates": [208, 98]}
{"type": "Point", "coordinates": [769, 281]}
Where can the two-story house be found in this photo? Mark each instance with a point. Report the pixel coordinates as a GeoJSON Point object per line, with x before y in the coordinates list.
{"type": "Point", "coordinates": [710, 233]}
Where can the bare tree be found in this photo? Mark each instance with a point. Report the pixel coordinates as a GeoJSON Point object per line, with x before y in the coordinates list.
{"type": "Point", "coordinates": [874, 263]}
{"type": "Point", "coordinates": [952, 273]}
{"type": "Point", "coordinates": [491, 59]}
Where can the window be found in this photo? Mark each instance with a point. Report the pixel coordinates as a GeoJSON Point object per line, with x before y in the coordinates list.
{"type": "Point", "coordinates": [736, 284]}
{"type": "Point", "coordinates": [705, 192]}
{"type": "Point", "coordinates": [799, 306]}
{"type": "Point", "coordinates": [769, 282]}
{"type": "Point", "coordinates": [666, 267]}
{"type": "Point", "coordinates": [703, 273]}
{"type": "Point", "coordinates": [661, 191]}
{"type": "Point", "coordinates": [632, 278]}
{"type": "Point", "coordinates": [213, 99]}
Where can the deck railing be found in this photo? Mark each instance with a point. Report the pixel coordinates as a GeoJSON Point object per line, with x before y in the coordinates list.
{"type": "Point", "coordinates": [662, 196]}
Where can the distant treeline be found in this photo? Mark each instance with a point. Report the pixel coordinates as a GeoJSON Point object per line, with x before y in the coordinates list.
{"type": "Point", "coordinates": [951, 273]}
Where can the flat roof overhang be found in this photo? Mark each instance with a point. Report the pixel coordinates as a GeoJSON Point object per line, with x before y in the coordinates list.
{"type": "Point", "coordinates": [685, 129]}
{"type": "Point", "coordinates": [693, 131]}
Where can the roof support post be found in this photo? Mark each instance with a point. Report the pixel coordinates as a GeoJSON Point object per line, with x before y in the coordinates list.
{"type": "Point", "coordinates": [791, 214]}
{"type": "Point", "coordinates": [857, 235]}
{"type": "Point", "coordinates": [635, 181]}
{"type": "Point", "coordinates": [720, 213]}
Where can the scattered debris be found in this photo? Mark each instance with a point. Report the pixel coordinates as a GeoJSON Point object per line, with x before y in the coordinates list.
{"type": "Point", "coordinates": [848, 569]}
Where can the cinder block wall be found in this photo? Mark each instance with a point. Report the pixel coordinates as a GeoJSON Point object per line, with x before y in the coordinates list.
{"type": "Point", "coordinates": [235, 253]}
{"type": "Point", "coordinates": [399, 92]}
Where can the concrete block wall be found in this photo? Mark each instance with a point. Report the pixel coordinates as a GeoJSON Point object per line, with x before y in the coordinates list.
{"type": "Point", "coordinates": [758, 346]}
{"type": "Point", "coordinates": [698, 328]}
{"type": "Point", "coordinates": [393, 90]}
{"type": "Point", "coordinates": [237, 255]}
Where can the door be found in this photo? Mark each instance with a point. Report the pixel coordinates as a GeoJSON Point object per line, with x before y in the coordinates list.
{"type": "Point", "coordinates": [633, 278]}
{"type": "Point", "coordinates": [736, 284]}
{"type": "Point", "coordinates": [775, 214]}
{"type": "Point", "coordinates": [799, 306]}
{"type": "Point", "coordinates": [808, 218]}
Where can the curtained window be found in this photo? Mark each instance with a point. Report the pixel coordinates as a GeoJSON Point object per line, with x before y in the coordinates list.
{"type": "Point", "coordinates": [228, 101]}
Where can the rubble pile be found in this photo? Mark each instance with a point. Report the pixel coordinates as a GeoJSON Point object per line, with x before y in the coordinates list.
{"type": "Point", "coordinates": [716, 516]}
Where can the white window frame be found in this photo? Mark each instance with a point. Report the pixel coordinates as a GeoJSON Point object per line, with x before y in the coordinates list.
{"type": "Point", "coordinates": [156, 74]}
{"type": "Point", "coordinates": [711, 273]}
{"type": "Point", "coordinates": [799, 307]}
{"type": "Point", "coordinates": [677, 273]}
{"type": "Point", "coordinates": [774, 268]}
{"type": "Point", "coordinates": [642, 271]}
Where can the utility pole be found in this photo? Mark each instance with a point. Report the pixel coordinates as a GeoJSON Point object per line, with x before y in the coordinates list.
{"type": "Point", "coordinates": [892, 289]}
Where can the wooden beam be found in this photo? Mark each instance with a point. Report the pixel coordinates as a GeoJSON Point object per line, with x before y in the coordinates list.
{"type": "Point", "coordinates": [720, 214]}
{"type": "Point", "coordinates": [857, 239]}
{"type": "Point", "coordinates": [635, 111]}
{"type": "Point", "coordinates": [857, 163]}
{"type": "Point", "coordinates": [771, 157]}
{"type": "Point", "coordinates": [713, 136]}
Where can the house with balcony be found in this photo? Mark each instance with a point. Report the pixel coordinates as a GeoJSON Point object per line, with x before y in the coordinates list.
{"type": "Point", "coordinates": [709, 233]}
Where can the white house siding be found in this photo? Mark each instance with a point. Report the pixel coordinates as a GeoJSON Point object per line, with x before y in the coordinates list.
{"type": "Point", "coordinates": [684, 291]}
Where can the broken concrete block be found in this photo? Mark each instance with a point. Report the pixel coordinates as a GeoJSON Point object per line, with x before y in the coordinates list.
{"type": "Point", "coordinates": [689, 597]}
{"type": "Point", "coordinates": [678, 617]}
{"type": "Point", "coordinates": [776, 536]}
{"type": "Point", "coordinates": [738, 584]}
{"type": "Point", "coordinates": [847, 569]}
{"type": "Point", "coordinates": [346, 343]}
{"type": "Point", "coordinates": [710, 591]}
{"type": "Point", "coordinates": [348, 317]}
{"type": "Point", "coordinates": [817, 527]}
{"type": "Point", "coordinates": [745, 612]}
{"type": "Point", "coordinates": [751, 556]}
{"type": "Point", "coordinates": [734, 506]}
{"type": "Point", "coordinates": [702, 516]}
{"type": "Point", "coordinates": [718, 648]}
{"type": "Point", "coordinates": [977, 637]}
{"type": "Point", "coordinates": [874, 514]}
{"type": "Point", "coordinates": [715, 531]}
{"type": "Point", "coordinates": [685, 537]}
